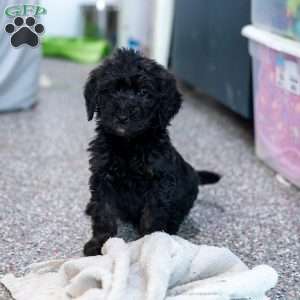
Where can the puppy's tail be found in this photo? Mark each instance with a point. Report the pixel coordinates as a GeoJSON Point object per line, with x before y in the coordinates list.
{"type": "Point", "coordinates": [207, 177]}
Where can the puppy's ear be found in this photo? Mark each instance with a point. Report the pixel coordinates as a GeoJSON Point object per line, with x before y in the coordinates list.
{"type": "Point", "coordinates": [90, 95]}
{"type": "Point", "coordinates": [170, 97]}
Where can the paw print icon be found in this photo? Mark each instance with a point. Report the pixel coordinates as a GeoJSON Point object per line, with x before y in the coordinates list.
{"type": "Point", "coordinates": [24, 31]}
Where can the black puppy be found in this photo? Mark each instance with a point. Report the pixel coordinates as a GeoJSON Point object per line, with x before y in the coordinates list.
{"type": "Point", "coordinates": [137, 175]}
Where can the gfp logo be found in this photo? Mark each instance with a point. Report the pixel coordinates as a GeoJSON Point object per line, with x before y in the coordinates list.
{"type": "Point", "coordinates": [24, 29]}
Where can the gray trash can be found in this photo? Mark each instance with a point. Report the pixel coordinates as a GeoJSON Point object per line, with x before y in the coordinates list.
{"type": "Point", "coordinates": [100, 22]}
{"type": "Point", "coordinates": [209, 52]}
{"type": "Point", "coordinates": [19, 67]}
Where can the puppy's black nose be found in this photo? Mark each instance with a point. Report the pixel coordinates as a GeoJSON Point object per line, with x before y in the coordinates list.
{"type": "Point", "coordinates": [122, 118]}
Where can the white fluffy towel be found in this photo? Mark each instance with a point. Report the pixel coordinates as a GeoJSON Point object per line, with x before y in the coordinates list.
{"type": "Point", "coordinates": [155, 267]}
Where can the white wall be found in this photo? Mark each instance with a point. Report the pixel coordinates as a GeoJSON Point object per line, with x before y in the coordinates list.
{"type": "Point", "coordinates": [150, 22]}
{"type": "Point", "coordinates": [135, 21]}
{"type": "Point", "coordinates": [162, 30]}
{"type": "Point", "coordinates": [63, 17]}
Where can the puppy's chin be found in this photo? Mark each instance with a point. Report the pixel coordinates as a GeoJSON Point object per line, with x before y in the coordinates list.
{"type": "Point", "coordinates": [123, 132]}
{"type": "Point", "coordinates": [120, 131]}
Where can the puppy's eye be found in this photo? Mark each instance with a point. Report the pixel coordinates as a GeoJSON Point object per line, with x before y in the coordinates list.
{"type": "Point", "coordinates": [135, 110]}
{"type": "Point", "coordinates": [142, 93]}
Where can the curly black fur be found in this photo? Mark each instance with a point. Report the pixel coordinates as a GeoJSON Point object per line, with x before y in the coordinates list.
{"type": "Point", "coordinates": [137, 175]}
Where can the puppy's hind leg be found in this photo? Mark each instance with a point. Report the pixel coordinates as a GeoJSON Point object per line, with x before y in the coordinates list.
{"type": "Point", "coordinates": [154, 218]}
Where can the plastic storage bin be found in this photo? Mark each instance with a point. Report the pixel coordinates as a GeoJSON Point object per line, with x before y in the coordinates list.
{"type": "Point", "coordinates": [276, 77]}
{"type": "Point", "coordinates": [278, 16]}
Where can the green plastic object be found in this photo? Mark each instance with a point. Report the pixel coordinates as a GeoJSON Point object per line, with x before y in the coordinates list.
{"type": "Point", "coordinates": [81, 50]}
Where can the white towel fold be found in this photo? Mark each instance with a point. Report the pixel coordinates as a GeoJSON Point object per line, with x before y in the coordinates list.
{"type": "Point", "coordinates": [155, 267]}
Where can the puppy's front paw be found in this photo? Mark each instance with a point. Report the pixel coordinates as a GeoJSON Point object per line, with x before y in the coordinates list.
{"type": "Point", "coordinates": [92, 247]}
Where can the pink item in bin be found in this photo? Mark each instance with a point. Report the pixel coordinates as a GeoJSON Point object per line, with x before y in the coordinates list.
{"type": "Point", "coordinates": [276, 77]}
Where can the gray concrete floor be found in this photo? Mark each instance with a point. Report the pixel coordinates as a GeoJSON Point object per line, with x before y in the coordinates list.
{"type": "Point", "coordinates": [44, 175]}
